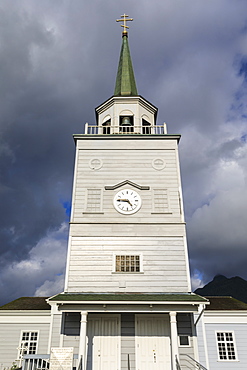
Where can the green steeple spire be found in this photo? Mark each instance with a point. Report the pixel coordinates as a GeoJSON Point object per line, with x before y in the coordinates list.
{"type": "Point", "coordinates": [125, 82]}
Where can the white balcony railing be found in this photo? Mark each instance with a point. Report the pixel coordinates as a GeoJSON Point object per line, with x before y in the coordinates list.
{"type": "Point", "coordinates": [35, 362]}
{"type": "Point", "coordinates": [130, 130]}
{"type": "Point", "coordinates": [40, 362]}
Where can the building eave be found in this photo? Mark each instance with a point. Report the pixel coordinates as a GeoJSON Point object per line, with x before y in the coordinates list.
{"type": "Point", "coordinates": [25, 312]}
{"type": "Point", "coordinates": [176, 137]}
{"type": "Point", "coordinates": [131, 302]}
{"type": "Point", "coordinates": [128, 298]}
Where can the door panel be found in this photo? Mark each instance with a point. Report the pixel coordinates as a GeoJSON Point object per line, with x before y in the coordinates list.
{"type": "Point", "coordinates": [153, 343]}
{"type": "Point", "coordinates": [103, 343]}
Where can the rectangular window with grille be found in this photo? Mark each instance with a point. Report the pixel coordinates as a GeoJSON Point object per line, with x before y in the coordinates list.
{"type": "Point", "coordinates": [94, 200]}
{"type": "Point", "coordinates": [128, 263]}
{"type": "Point", "coordinates": [160, 201]}
{"type": "Point", "coordinates": [226, 346]}
{"type": "Point", "coordinates": [28, 343]}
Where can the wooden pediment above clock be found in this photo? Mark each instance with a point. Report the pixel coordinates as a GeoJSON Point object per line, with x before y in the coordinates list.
{"type": "Point", "coordinates": [127, 182]}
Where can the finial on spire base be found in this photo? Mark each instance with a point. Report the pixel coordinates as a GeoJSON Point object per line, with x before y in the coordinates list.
{"type": "Point", "coordinates": [124, 25]}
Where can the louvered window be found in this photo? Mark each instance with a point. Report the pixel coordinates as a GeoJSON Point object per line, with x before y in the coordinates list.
{"type": "Point", "coordinates": [160, 201]}
{"type": "Point", "coordinates": [94, 200]}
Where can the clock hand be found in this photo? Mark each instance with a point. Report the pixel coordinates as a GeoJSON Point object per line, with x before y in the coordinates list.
{"type": "Point", "coordinates": [125, 200]}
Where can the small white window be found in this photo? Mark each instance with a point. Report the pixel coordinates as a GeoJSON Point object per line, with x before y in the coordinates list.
{"type": "Point", "coordinates": [226, 346]}
{"type": "Point", "coordinates": [127, 263]}
{"type": "Point", "coordinates": [184, 341]}
{"type": "Point", "coordinates": [94, 201]}
{"type": "Point", "coordinates": [28, 343]}
{"type": "Point", "coordinates": [160, 201]}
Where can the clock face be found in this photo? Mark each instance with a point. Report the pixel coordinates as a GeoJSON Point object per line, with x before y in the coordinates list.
{"type": "Point", "coordinates": [127, 201]}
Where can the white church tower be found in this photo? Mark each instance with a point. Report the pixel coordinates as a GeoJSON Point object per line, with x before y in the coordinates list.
{"type": "Point", "coordinates": [127, 302]}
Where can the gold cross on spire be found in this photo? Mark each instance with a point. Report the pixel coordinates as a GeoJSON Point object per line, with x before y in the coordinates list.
{"type": "Point", "coordinates": [124, 25]}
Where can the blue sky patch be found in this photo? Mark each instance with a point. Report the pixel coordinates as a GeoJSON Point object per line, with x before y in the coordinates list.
{"type": "Point", "coordinates": [244, 138]}
{"type": "Point", "coordinates": [243, 68]}
{"type": "Point", "coordinates": [67, 206]}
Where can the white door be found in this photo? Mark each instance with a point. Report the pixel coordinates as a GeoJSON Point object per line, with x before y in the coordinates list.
{"type": "Point", "coordinates": [153, 342]}
{"type": "Point", "coordinates": [103, 343]}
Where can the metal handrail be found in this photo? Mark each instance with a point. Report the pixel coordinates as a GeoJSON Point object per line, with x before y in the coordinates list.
{"type": "Point", "coordinates": [128, 361]}
{"type": "Point", "coordinates": [200, 366]}
{"type": "Point", "coordinates": [80, 366]}
{"type": "Point", "coordinates": [177, 363]}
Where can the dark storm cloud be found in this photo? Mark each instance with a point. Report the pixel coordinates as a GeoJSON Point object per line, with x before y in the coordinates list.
{"type": "Point", "coordinates": [47, 93]}
{"type": "Point", "coordinates": [30, 161]}
{"type": "Point", "coordinates": [58, 60]}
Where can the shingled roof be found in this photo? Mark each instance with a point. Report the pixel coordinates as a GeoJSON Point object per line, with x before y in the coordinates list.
{"type": "Point", "coordinates": [39, 303]}
{"type": "Point", "coordinates": [27, 303]}
{"type": "Point", "coordinates": [225, 304]}
{"type": "Point", "coordinates": [128, 297]}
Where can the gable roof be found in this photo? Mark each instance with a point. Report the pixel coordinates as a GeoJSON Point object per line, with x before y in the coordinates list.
{"type": "Point", "coordinates": [225, 304]}
{"type": "Point", "coordinates": [127, 182]}
{"type": "Point", "coordinates": [27, 303]}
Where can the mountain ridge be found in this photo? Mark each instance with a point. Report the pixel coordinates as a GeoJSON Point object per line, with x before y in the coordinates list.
{"type": "Point", "coordinates": [235, 287]}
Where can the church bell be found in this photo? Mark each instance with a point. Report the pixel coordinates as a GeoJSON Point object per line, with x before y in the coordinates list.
{"type": "Point", "coordinates": [125, 121]}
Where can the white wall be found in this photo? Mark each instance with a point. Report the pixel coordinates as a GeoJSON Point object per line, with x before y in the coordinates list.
{"type": "Point", "coordinates": [158, 237]}
{"type": "Point", "coordinates": [11, 326]}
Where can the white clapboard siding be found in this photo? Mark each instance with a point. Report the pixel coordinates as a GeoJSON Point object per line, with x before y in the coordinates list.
{"type": "Point", "coordinates": [131, 229]}
{"type": "Point", "coordinates": [10, 337]}
{"type": "Point", "coordinates": [119, 164]}
{"type": "Point", "coordinates": [56, 330]}
{"type": "Point", "coordinates": [232, 324]}
{"type": "Point", "coordinates": [91, 264]}
{"type": "Point", "coordinates": [96, 237]}
{"type": "Point", "coordinates": [71, 341]}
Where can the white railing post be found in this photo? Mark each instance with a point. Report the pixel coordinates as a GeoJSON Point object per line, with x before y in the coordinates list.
{"type": "Point", "coordinates": [99, 130]}
{"type": "Point", "coordinates": [86, 128]}
{"type": "Point", "coordinates": [165, 128]}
